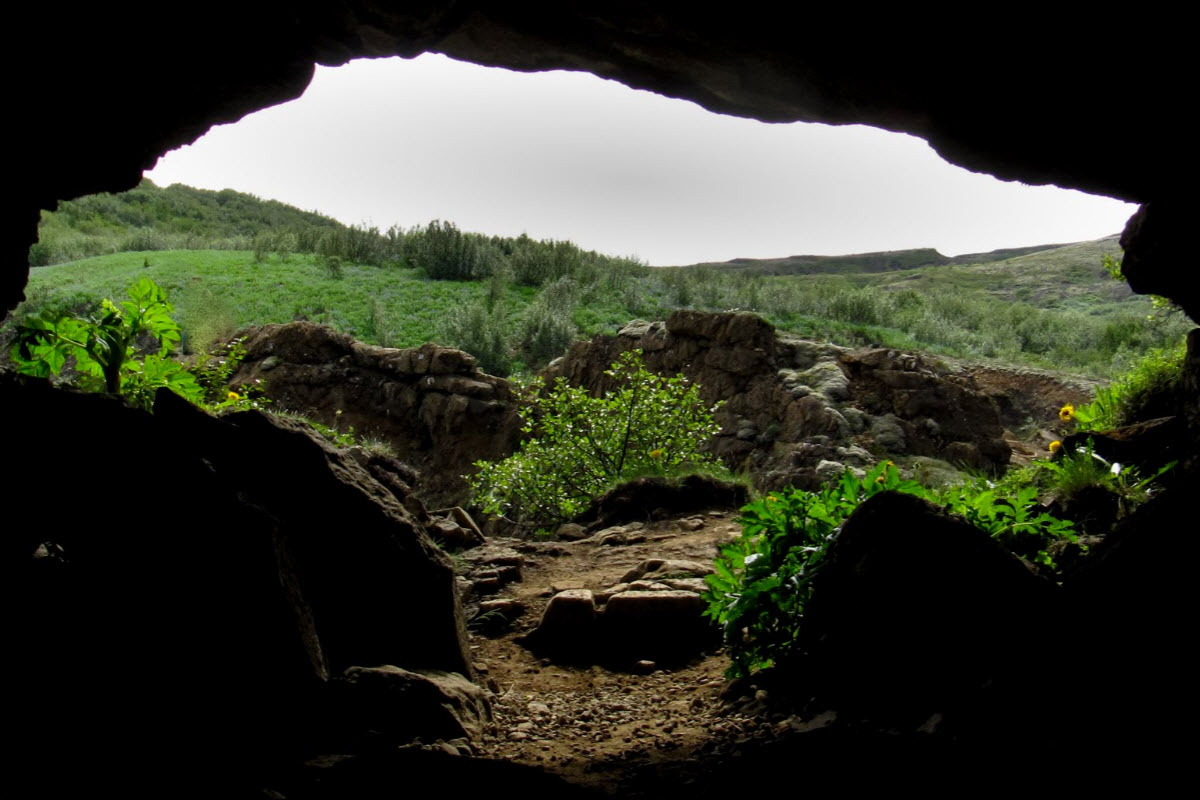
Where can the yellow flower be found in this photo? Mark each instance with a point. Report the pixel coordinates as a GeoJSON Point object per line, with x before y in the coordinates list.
{"type": "Point", "coordinates": [879, 479]}
{"type": "Point", "coordinates": [1067, 413]}
{"type": "Point", "coordinates": [1055, 445]}
{"type": "Point", "coordinates": [233, 396]}
{"type": "Point", "coordinates": [656, 454]}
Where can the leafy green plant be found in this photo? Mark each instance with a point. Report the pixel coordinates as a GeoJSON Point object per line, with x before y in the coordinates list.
{"type": "Point", "coordinates": [1012, 517]}
{"type": "Point", "coordinates": [103, 347]}
{"type": "Point", "coordinates": [578, 446]}
{"type": "Point", "coordinates": [763, 580]}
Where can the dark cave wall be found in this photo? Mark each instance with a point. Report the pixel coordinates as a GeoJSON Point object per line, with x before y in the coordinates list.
{"type": "Point", "coordinates": [102, 92]}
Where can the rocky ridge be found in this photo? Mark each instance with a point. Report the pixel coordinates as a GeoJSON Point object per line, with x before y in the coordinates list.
{"type": "Point", "coordinates": [795, 411]}
{"type": "Point", "coordinates": [798, 412]}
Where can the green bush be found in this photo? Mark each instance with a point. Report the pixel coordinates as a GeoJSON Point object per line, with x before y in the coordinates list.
{"type": "Point", "coordinates": [578, 446]}
{"type": "Point", "coordinates": [547, 329]}
{"type": "Point", "coordinates": [482, 332]}
{"type": "Point", "coordinates": [763, 580]}
{"type": "Point", "coordinates": [537, 263]}
{"type": "Point", "coordinates": [444, 252]}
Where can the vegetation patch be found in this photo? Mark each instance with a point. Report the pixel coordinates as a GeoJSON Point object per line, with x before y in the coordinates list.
{"type": "Point", "coordinates": [763, 580]}
{"type": "Point", "coordinates": [578, 446]}
{"type": "Point", "coordinates": [230, 260]}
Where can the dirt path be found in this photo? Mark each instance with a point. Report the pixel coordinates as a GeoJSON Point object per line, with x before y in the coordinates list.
{"type": "Point", "coordinates": [599, 727]}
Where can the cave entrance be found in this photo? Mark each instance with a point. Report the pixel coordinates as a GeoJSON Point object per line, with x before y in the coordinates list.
{"type": "Point", "coordinates": [624, 180]}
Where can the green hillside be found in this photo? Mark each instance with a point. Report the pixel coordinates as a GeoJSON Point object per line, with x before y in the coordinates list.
{"type": "Point", "coordinates": [888, 261]}
{"type": "Point", "coordinates": [153, 218]}
{"type": "Point", "coordinates": [516, 303]}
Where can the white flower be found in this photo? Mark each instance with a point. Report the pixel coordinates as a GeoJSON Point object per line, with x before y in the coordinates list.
{"type": "Point", "coordinates": [1116, 468]}
{"type": "Point", "coordinates": [750, 559]}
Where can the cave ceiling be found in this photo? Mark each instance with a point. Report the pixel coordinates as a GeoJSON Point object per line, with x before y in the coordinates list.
{"type": "Point", "coordinates": [1079, 103]}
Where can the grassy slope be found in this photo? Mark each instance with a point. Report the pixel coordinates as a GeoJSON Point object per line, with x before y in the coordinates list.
{"type": "Point", "coordinates": [1068, 276]}
{"type": "Point", "coordinates": [1050, 306]}
{"type": "Point", "coordinates": [1053, 308]}
{"type": "Point", "coordinates": [150, 216]}
{"type": "Point", "coordinates": [228, 290]}
{"type": "Point", "coordinates": [887, 261]}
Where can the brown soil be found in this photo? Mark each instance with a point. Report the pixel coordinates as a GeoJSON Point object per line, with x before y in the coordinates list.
{"type": "Point", "coordinates": [619, 731]}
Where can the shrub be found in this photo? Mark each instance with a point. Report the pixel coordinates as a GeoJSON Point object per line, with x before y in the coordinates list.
{"type": "Point", "coordinates": [546, 334]}
{"type": "Point", "coordinates": [546, 327]}
{"type": "Point", "coordinates": [579, 445]}
{"type": "Point", "coordinates": [482, 332]}
{"type": "Point", "coordinates": [536, 263]}
{"type": "Point", "coordinates": [444, 252]}
{"type": "Point", "coordinates": [212, 371]}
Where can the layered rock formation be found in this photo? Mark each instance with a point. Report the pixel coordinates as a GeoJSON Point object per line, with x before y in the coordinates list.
{"type": "Point", "coordinates": [432, 404]}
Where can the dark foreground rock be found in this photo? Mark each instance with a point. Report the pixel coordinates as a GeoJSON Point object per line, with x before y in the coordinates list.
{"type": "Point", "coordinates": [181, 588]}
{"type": "Point", "coordinates": [917, 612]}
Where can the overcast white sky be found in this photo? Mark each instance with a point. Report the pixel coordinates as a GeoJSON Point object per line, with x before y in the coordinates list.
{"type": "Point", "coordinates": [571, 156]}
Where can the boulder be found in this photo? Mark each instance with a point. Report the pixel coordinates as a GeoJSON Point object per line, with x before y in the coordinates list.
{"type": "Point", "coordinates": [567, 629]}
{"type": "Point", "coordinates": [403, 705]}
{"type": "Point", "coordinates": [647, 498]}
{"type": "Point", "coordinates": [663, 625]}
{"type": "Point", "coordinates": [917, 612]}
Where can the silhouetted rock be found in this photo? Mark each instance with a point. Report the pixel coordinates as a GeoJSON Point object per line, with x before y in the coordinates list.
{"type": "Point", "coordinates": [649, 498]}
{"type": "Point", "coordinates": [917, 612]}
{"type": "Point", "coordinates": [201, 581]}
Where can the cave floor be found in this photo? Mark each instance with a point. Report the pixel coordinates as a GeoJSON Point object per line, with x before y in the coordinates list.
{"type": "Point", "coordinates": [621, 729]}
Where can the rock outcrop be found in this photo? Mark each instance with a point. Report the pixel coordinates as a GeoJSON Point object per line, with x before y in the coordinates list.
{"type": "Point", "coordinates": [431, 403]}
{"type": "Point", "coordinates": [797, 412]}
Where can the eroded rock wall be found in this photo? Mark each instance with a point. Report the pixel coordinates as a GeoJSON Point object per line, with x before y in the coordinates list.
{"type": "Point", "coordinates": [431, 403]}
